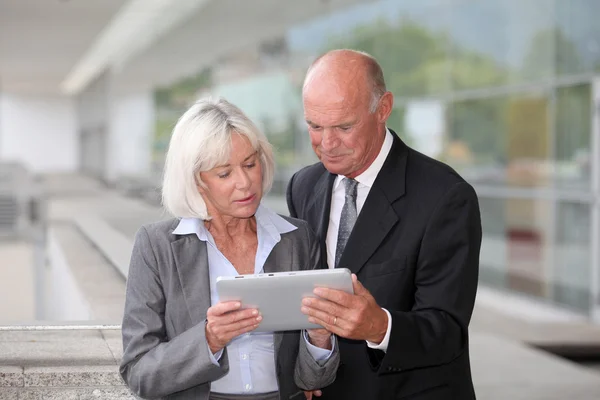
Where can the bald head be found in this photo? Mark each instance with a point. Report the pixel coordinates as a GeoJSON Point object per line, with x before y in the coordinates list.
{"type": "Point", "coordinates": [342, 70]}
{"type": "Point", "coordinates": [346, 108]}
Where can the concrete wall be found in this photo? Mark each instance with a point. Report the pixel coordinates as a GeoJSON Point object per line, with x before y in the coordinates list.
{"type": "Point", "coordinates": [63, 298]}
{"type": "Point", "coordinates": [39, 131]}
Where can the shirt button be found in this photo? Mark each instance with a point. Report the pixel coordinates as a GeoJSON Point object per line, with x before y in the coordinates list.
{"type": "Point", "coordinates": [244, 356]}
{"type": "Point", "coordinates": [248, 386]}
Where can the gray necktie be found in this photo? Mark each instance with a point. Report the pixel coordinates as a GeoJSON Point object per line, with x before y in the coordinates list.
{"type": "Point", "coordinates": [347, 219]}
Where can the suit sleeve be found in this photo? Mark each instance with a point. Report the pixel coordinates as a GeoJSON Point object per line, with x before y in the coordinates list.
{"type": "Point", "coordinates": [310, 374]}
{"type": "Point", "coordinates": [289, 198]}
{"type": "Point", "coordinates": [434, 332]}
{"type": "Point", "coordinates": [153, 365]}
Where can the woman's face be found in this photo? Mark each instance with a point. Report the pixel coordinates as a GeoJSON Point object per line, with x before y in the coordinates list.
{"type": "Point", "coordinates": [234, 189]}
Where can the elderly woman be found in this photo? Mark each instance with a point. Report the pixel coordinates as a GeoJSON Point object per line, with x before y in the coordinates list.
{"type": "Point", "coordinates": [179, 340]}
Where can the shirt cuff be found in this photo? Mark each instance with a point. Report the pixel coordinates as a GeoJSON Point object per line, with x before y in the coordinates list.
{"type": "Point", "coordinates": [386, 339]}
{"type": "Point", "coordinates": [317, 353]}
{"type": "Point", "coordinates": [214, 358]}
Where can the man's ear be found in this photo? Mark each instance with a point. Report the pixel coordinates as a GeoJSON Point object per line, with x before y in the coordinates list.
{"type": "Point", "coordinates": [386, 105]}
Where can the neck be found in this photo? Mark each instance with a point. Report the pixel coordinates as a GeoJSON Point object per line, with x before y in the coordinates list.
{"type": "Point", "coordinates": [225, 225]}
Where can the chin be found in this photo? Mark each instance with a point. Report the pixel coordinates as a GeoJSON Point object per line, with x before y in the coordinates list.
{"type": "Point", "coordinates": [335, 169]}
{"type": "Point", "coordinates": [247, 211]}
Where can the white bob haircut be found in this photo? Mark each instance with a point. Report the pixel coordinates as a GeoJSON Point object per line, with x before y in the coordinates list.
{"type": "Point", "coordinates": [201, 141]}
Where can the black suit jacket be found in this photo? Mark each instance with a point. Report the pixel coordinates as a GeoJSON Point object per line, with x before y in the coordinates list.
{"type": "Point", "coordinates": [415, 247]}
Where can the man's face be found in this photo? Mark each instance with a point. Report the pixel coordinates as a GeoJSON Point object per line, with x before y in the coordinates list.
{"type": "Point", "coordinates": [344, 134]}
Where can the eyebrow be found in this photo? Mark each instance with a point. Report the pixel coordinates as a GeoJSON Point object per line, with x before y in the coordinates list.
{"type": "Point", "coordinates": [335, 126]}
{"type": "Point", "coordinates": [245, 159]}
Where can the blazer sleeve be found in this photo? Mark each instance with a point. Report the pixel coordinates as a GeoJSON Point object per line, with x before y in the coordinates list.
{"type": "Point", "coordinates": [435, 332]}
{"type": "Point", "coordinates": [310, 374]}
{"type": "Point", "coordinates": [154, 365]}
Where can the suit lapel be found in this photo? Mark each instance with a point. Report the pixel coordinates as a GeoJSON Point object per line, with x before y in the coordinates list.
{"type": "Point", "coordinates": [374, 222]}
{"type": "Point", "coordinates": [318, 210]}
{"type": "Point", "coordinates": [191, 261]}
{"type": "Point", "coordinates": [377, 216]}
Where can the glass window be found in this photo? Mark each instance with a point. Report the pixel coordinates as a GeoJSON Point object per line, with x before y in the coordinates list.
{"type": "Point", "coordinates": [577, 36]}
{"type": "Point", "coordinates": [492, 269]}
{"type": "Point", "coordinates": [517, 244]}
{"type": "Point", "coordinates": [409, 39]}
{"type": "Point", "coordinates": [572, 269]}
{"type": "Point", "coordinates": [501, 42]}
{"type": "Point", "coordinates": [573, 119]}
{"type": "Point", "coordinates": [500, 140]}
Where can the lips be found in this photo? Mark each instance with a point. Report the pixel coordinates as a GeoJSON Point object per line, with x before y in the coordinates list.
{"type": "Point", "coordinates": [332, 156]}
{"type": "Point", "coordinates": [247, 199]}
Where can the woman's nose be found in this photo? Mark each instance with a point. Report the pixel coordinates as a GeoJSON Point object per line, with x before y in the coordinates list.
{"type": "Point", "coordinates": [243, 180]}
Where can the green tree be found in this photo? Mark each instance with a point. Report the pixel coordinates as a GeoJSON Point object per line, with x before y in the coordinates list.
{"type": "Point", "coordinates": [419, 62]}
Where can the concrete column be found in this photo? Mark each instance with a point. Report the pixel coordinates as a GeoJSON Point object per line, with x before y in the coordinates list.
{"type": "Point", "coordinates": [595, 245]}
{"type": "Point", "coordinates": [92, 113]}
{"type": "Point", "coordinates": [38, 132]}
{"type": "Point", "coordinates": [130, 135]}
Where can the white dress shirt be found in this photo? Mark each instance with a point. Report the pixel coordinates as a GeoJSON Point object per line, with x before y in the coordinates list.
{"type": "Point", "coordinates": [251, 355]}
{"type": "Point", "coordinates": [365, 182]}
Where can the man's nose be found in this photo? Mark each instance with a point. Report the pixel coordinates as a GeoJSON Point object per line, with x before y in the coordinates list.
{"type": "Point", "coordinates": [329, 140]}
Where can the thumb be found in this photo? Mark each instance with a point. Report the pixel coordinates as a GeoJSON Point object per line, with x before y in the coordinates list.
{"type": "Point", "coordinates": [359, 289]}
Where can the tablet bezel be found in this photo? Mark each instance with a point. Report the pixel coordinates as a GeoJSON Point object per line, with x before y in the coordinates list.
{"type": "Point", "coordinates": [278, 295]}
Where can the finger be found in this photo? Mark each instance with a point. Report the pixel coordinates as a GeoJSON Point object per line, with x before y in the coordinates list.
{"type": "Point", "coordinates": [359, 289]}
{"type": "Point", "coordinates": [308, 395]}
{"type": "Point", "coordinates": [239, 324]}
{"type": "Point", "coordinates": [235, 316]}
{"type": "Point", "coordinates": [322, 305]}
{"type": "Point", "coordinates": [334, 295]}
{"type": "Point", "coordinates": [242, 331]}
{"type": "Point", "coordinates": [327, 318]}
{"type": "Point", "coordinates": [224, 333]}
{"type": "Point", "coordinates": [317, 393]}
{"type": "Point", "coordinates": [223, 307]}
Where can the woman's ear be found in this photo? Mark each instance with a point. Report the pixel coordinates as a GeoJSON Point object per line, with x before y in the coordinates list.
{"type": "Point", "coordinates": [199, 185]}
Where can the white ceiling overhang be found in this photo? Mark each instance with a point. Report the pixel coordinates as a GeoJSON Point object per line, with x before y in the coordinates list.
{"type": "Point", "coordinates": [59, 46]}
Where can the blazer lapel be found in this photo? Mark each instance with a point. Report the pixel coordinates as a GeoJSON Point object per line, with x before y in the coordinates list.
{"type": "Point", "coordinates": [281, 257]}
{"type": "Point", "coordinates": [280, 260]}
{"type": "Point", "coordinates": [377, 216]}
{"type": "Point", "coordinates": [191, 261]}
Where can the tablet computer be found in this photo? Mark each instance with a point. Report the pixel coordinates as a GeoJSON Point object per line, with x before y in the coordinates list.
{"type": "Point", "coordinates": [278, 295]}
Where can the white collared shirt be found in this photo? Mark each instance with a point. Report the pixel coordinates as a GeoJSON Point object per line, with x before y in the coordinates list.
{"type": "Point", "coordinates": [338, 195]}
{"type": "Point", "coordinates": [251, 355]}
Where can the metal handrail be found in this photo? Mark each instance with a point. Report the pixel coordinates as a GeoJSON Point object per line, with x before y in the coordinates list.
{"type": "Point", "coordinates": [58, 327]}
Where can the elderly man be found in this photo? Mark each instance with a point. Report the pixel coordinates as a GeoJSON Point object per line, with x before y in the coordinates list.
{"type": "Point", "coordinates": [408, 226]}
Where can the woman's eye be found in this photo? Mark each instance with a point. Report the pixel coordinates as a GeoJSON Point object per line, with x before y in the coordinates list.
{"type": "Point", "coordinates": [251, 165]}
{"type": "Point", "coordinates": [223, 175]}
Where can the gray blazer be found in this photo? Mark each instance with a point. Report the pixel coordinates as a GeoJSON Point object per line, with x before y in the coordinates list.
{"type": "Point", "coordinates": [165, 354]}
